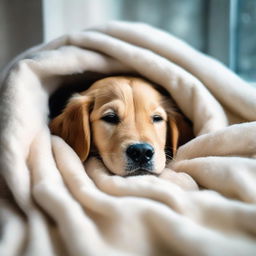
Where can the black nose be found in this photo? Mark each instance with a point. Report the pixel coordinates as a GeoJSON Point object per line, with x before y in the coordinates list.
{"type": "Point", "coordinates": [140, 153]}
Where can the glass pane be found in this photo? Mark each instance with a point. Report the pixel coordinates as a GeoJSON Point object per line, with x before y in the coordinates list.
{"type": "Point", "coordinates": [246, 59]}
{"type": "Point", "coordinates": [183, 18]}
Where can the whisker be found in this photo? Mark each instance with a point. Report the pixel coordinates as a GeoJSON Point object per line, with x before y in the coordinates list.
{"type": "Point", "coordinates": [168, 154]}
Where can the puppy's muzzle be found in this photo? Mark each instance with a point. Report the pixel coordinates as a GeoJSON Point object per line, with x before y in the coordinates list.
{"type": "Point", "coordinates": [140, 154]}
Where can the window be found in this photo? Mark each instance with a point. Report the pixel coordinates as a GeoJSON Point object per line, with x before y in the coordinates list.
{"type": "Point", "coordinates": [245, 61]}
{"type": "Point", "coordinates": [224, 29]}
{"type": "Point", "coordinates": [221, 28]}
{"type": "Point", "coordinates": [184, 18]}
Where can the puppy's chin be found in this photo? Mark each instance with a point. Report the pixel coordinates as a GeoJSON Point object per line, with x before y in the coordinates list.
{"type": "Point", "coordinates": [137, 172]}
{"type": "Point", "coordinates": [118, 168]}
{"type": "Point", "coordinates": [140, 172]}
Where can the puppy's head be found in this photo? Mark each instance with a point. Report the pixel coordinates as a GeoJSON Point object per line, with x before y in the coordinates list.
{"type": "Point", "coordinates": [125, 119]}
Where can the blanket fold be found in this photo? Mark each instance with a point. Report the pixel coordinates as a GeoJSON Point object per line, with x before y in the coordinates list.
{"type": "Point", "coordinates": [204, 202]}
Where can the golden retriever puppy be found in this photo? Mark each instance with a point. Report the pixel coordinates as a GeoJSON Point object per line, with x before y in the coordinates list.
{"type": "Point", "coordinates": [125, 120]}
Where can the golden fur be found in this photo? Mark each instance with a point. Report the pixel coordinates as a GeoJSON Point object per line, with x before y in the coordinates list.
{"type": "Point", "coordinates": [114, 113]}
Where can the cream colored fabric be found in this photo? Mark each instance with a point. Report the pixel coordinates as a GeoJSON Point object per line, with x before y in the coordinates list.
{"type": "Point", "coordinates": [204, 203]}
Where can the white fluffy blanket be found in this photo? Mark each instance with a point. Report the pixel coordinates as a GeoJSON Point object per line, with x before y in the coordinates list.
{"type": "Point", "coordinates": [52, 205]}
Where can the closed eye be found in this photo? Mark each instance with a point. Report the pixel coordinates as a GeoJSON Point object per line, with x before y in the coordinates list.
{"type": "Point", "coordinates": [157, 118]}
{"type": "Point", "coordinates": [111, 118]}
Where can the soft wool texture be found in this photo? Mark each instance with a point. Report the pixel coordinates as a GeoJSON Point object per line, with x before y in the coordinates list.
{"type": "Point", "coordinates": [204, 203]}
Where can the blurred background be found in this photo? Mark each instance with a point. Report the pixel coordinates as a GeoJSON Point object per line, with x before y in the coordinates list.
{"type": "Point", "coordinates": [225, 29]}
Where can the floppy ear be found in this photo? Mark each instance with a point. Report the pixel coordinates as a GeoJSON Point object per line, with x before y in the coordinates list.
{"type": "Point", "coordinates": [180, 130]}
{"type": "Point", "coordinates": [73, 125]}
{"type": "Point", "coordinates": [173, 133]}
